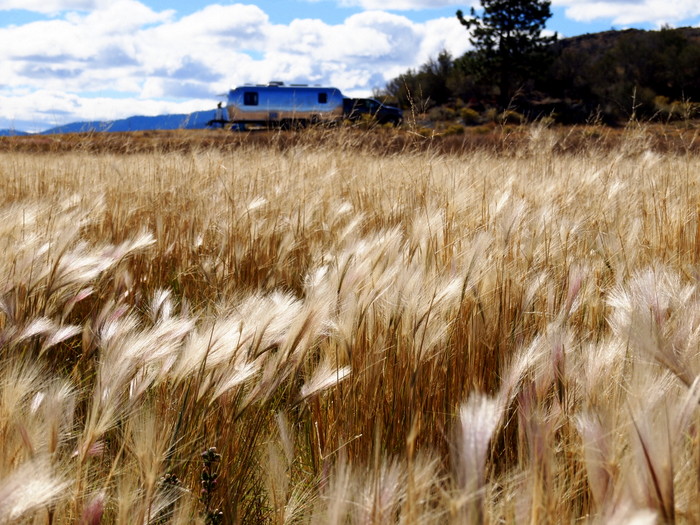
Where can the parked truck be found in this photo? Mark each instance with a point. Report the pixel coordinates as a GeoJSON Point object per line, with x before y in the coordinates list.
{"type": "Point", "coordinates": [298, 105]}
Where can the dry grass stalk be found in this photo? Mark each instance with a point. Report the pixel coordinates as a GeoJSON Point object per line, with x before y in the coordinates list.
{"type": "Point", "coordinates": [410, 337]}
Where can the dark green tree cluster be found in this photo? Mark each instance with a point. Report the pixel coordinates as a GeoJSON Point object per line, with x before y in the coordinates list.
{"type": "Point", "coordinates": [513, 65]}
{"type": "Point", "coordinates": [509, 48]}
{"type": "Point", "coordinates": [629, 73]}
{"type": "Point", "coordinates": [434, 83]}
{"type": "Point", "coordinates": [509, 54]}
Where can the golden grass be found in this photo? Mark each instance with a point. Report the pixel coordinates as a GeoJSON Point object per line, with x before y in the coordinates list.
{"type": "Point", "coordinates": [366, 335]}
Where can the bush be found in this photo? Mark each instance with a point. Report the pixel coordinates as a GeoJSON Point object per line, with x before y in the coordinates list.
{"type": "Point", "coordinates": [491, 115]}
{"type": "Point", "coordinates": [454, 129]}
{"type": "Point", "coordinates": [442, 113]}
{"type": "Point", "coordinates": [511, 117]}
{"type": "Point", "coordinates": [483, 129]}
{"type": "Point", "coordinates": [470, 116]}
{"type": "Point", "coordinates": [676, 110]}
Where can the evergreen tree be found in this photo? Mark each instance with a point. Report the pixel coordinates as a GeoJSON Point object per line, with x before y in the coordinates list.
{"type": "Point", "coordinates": [508, 44]}
{"type": "Point", "coordinates": [430, 85]}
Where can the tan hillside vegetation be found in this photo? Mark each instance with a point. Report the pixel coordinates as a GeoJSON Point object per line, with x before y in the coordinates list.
{"type": "Point", "coordinates": [327, 333]}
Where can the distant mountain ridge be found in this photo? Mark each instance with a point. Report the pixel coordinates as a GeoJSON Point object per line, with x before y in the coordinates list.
{"type": "Point", "coordinates": [196, 120]}
{"type": "Point", "coordinates": [12, 132]}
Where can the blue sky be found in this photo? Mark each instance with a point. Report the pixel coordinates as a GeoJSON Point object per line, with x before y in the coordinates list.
{"type": "Point", "coordinates": [71, 60]}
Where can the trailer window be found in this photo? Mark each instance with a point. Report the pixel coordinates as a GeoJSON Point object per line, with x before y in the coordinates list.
{"type": "Point", "coordinates": [250, 98]}
{"type": "Point", "coordinates": [323, 98]}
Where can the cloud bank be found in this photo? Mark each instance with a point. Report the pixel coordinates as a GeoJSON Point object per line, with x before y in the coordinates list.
{"type": "Point", "coordinates": [98, 60]}
{"type": "Point", "coordinates": [622, 12]}
{"type": "Point", "coordinates": [626, 12]}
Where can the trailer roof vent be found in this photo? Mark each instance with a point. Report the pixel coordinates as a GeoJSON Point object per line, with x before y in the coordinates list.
{"type": "Point", "coordinates": [276, 83]}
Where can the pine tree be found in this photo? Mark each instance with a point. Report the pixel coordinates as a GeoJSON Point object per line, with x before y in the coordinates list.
{"type": "Point", "coordinates": [509, 47]}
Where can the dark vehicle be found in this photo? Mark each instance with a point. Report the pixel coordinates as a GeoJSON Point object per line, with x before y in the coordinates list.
{"type": "Point", "coordinates": [357, 108]}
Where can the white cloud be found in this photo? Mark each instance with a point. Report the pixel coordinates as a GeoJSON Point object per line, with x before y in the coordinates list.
{"type": "Point", "coordinates": [52, 6]}
{"type": "Point", "coordinates": [442, 34]}
{"type": "Point", "coordinates": [401, 5]}
{"type": "Point", "coordinates": [123, 16]}
{"type": "Point", "coordinates": [625, 12]}
{"type": "Point", "coordinates": [148, 59]}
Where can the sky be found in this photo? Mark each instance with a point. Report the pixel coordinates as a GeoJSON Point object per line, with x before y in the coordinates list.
{"type": "Point", "coordinates": [65, 61]}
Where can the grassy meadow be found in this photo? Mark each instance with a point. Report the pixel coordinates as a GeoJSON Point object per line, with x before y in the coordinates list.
{"type": "Point", "coordinates": [309, 328]}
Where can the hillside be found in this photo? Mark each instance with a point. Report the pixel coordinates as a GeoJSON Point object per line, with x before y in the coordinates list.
{"type": "Point", "coordinates": [196, 120]}
{"type": "Point", "coordinates": [610, 76]}
{"type": "Point", "coordinates": [599, 43]}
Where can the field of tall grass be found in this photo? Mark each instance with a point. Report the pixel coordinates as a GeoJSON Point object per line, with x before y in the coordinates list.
{"type": "Point", "coordinates": [333, 334]}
